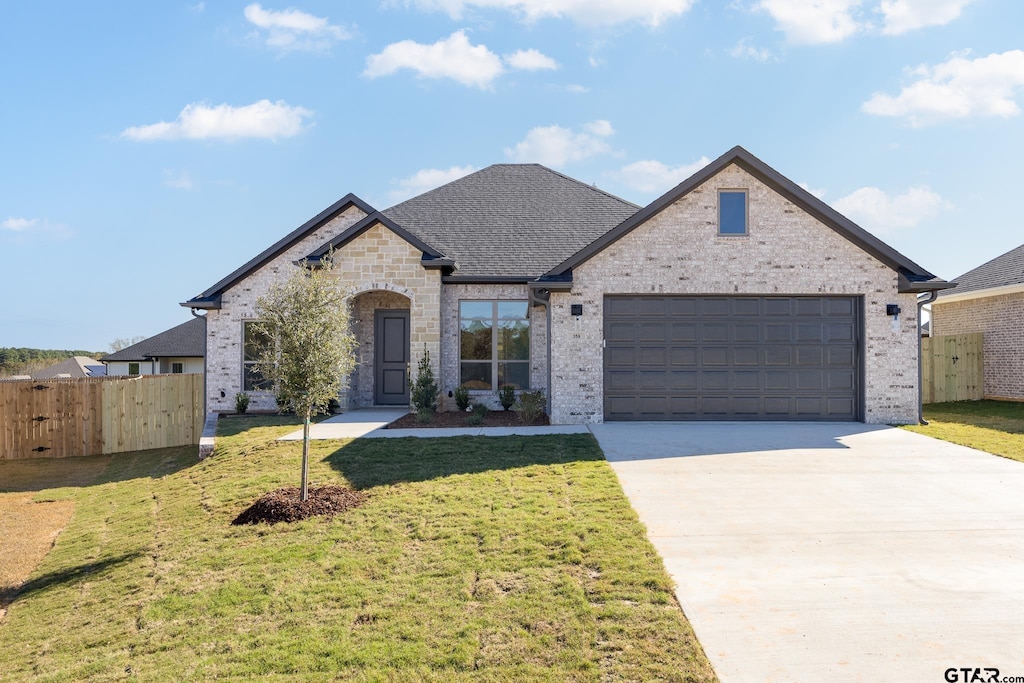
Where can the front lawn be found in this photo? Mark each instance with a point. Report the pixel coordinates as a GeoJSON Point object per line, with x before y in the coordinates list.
{"type": "Point", "coordinates": [476, 558]}
{"type": "Point", "coordinates": [992, 426]}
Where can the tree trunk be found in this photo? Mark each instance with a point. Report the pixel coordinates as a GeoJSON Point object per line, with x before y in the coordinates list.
{"type": "Point", "coordinates": [305, 457]}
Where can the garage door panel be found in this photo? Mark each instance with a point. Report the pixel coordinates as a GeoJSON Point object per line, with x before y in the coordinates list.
{"type": "Point", "coordinates": [719, 357]}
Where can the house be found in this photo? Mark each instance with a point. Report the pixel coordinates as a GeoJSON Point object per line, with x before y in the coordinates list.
{"type": "Point", "coordinates": [735, 295]}
{"type": "Point", "coordinates": [990, 300]}
{"type": "Point", "coordinates": [178, 350]}
{"type": "Point", "coordinates": [76, 366]}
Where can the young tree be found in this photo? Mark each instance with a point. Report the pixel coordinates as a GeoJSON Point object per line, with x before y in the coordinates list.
{"type": "Point", "coordinates": [312, 351]}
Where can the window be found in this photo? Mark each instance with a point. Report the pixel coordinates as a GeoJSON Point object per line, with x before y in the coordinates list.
{"type": "Point", "coordinates": [732, 212]}
{"type": "Point", "coordinates": [494, 344]}
{"type": "Point", "coordinates": [133, 369]}
{"type": "Point", "coordinates": [177, 368]}
{"type": "Point", "coordinates": [252, 342]}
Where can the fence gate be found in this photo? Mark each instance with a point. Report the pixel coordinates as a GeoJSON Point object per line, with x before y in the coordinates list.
{"type": "Point", "coordinates": [952, 368]}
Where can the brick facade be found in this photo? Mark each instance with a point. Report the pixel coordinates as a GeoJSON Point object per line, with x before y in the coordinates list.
{"type": "Point", "coordinates": [786, 251]}
{"type": "Point", "coordinates": [1000, 319]}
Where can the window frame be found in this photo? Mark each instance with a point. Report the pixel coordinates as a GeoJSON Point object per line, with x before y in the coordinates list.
{"type": "Point", "coordinates": [138, 369]}
{"type": "Point", "coordinates": [181, 368]}
{"type": "Point", "coordinates": [746, 211]}
{"type": "Point", "coordinates": [495, 361]}
{"type": "Point", "coordinates": [253, 386]}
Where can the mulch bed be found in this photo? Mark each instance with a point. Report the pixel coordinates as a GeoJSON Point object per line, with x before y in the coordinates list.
{"type": "Point", "coordinates": [284, 505]}
{"type": "Point", "coordinates": [495, 418]}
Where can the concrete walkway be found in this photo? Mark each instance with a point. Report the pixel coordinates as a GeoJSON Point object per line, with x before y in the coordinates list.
{"type": "Point", "coordinates": [369, 423]}
{"type": "Point", "coordinates": [832, 552]}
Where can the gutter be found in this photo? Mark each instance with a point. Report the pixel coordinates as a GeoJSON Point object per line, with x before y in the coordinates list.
{"type": "Point", "coordinates": [206, 355]}
{"type": "Point", "coordinates": [921, 303]}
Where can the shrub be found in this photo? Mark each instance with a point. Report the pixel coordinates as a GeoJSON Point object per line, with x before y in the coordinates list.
{"type": "Point", "coordinates": [424, 415]}
{"type": "Point", "coordinates": [424, 389]}
{"type": "Point", "coordinates": [532, 405]}
{"type": "Point", "coordinates": [475, 420]}
{"type": "Point", "coordinates": [480, 409]}
{"type": "Point", "coordinates": [284, 406]}
{"type": "Point", "coordinates": [462, 399]}
{"type": "Point", "coordinates": [507, 396]}
{"type": "Point", "coordinates": [333, 406]}
{"type": "Point", "coordinates": [241, 403]}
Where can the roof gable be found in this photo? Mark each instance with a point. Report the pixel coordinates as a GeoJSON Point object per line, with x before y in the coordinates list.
{"type": "Point", "coordinates": [185, 340]}
{"type": "Point", "coordinates": [211, 297]}
{"type": "Point", "coordinates": [1004, 270]}
{"type": "Point", "coordinates": [913, 276]}
{"type": "Point", "coordinates": [431, 256]}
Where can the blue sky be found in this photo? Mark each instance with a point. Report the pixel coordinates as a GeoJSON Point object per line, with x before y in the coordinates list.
{"type": "Point", "coordinates": [148, 149]}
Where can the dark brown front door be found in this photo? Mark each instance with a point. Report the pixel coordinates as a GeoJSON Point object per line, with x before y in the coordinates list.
{"type": "Point", "coordinates": [391, 357]}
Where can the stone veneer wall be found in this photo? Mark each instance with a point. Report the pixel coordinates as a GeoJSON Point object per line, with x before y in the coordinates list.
{"type": "Point", "coordinates": [1000, 319]}
{"type": "Point", "coordinates": [449, 378]}
{"type": "Point", "coordinates": [786, 251]}
{"type": "Point", "coordinates": [377, 260]}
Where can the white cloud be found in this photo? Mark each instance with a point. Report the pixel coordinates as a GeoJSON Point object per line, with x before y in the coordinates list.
{"type": "Point", "coordinates": [198, 121]}
{"type": "Point", "coordinates": [557, 146]}
{"type": "Point", "coordinates": [881, 213]}
{"type": "Point", "coordinates": [653, 176]}
{"type": "Point", "coordinates": [587, 12]}
{"type": "Point", "coordinates": [530, 60]}
{"type": "Point", "coordinates": [813, 21]}
{"type": "Point", "coordinates": [454, 58]}
{"type": "Point", "coordinates": [817, 193]}
{"type": "Point", "coordinates": [577, 89]}
{"type": "Point", "coordinates": [291, 29]}
{"type": "Point", "coordinates": [746, 50]}
{"type": "Point", "coordinates": [955, 89]}
{"type": "Point", "coordinates": [427, 179]}
{"type": "Point", "coordinates": [901, 16]}
{"type": "Point", "coordinates": [178, 180]}
{"type": "Point", "coordinates": [19, 224]}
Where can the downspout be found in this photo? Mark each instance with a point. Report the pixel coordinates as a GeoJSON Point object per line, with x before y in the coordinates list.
{"type": "Point", "coordinates": [921, 303]}
{"type": "Point", "coordinates": [547, 313]}
{"type": "Point", "coordinates": [206, 354]}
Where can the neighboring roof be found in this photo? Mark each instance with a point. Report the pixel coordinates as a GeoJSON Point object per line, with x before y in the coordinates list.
{"type": "Point", "coordinates": [186, 340]}
{"type": "Point", "coordinates": [510, 220]}
{"type": "Point", "coordinates": [431, 257]}
{"type": "Point", "coordinates": [76, 366]}
{"type": "Point", "coordinates": [914, 277]}
{"type": "Point", "coordinates": [211, 297]}
{"type": "Point", "coordinates": [1002, 271]}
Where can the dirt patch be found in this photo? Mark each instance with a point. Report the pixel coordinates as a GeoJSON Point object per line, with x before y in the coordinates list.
{"type": "Point", "coordinates": [495, 418]}
{"type": "Point", "coordinates": [27, 532]}
{"type": "Point", "coordinates": [36, 474]}
{"type": "Point", "coordinates": [284, 505]}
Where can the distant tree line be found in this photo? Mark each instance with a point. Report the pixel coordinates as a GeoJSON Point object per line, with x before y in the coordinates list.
{"type": "Point", "coordinates": [17, 361]}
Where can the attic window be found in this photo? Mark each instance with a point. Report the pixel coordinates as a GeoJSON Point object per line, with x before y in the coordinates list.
{"type": "Point", "coordinates": [732, 212]}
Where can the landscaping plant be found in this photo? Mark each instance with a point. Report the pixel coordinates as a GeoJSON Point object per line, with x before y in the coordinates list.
{"type": "Point", "coordinates": [507, 396]}
{"type": "Point", "coordinates": [313, 348]}
{"type": "Point", "coordinates": [532, 405]}
{"type": "Point", "coordinates": [462, 399]}
{"type": "Point", "coordinates": [241, 403]}
{"type": "Point", "coordinates": [424, 389]}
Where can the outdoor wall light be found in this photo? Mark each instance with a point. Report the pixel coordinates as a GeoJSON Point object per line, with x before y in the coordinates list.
{"type": "Point", "coordinates": [576, 309]}
{"type": "Point", "coordinates": [892, 309]}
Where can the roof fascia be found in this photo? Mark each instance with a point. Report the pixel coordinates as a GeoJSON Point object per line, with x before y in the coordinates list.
{"type": "Point", "coordinates": [213, 293]}
{"type": "Point", "coordinates": [1002, 290]}
{"type": "Point", "coordinates": [776, 181]}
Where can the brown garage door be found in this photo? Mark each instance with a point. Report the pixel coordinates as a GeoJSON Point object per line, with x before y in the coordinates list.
{"type": "Point", "coordinates": [731, 358]}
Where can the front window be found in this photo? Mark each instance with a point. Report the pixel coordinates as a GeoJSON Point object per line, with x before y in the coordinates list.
{"type": "Point", "coordinates": [133, 369]}
{"type": "Point", "coordinates": [494, 344]}
{"type": "Point", "coordinates": [732, 212]}
{"type": "Point", "coordinates": [177, 368]}
{"type": "Point", "coordinates": [252, 342]}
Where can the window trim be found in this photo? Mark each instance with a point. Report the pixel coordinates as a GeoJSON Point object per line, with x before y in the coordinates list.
{"type": "Point", "coordinates": [138, 369]}
{"type": "Point", "coordinates": [495, 361]}
{"type": "Point", "coordinates": [746, 211]}
{"type": "Point", "coordinates": [249, 362]}
{"type": "Point", "coordinates": [181, 365]}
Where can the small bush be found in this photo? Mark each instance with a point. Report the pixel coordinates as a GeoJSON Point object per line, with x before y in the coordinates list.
{"type": "Point", "coordinates": [475, 420]}
{"type": "Point", "coordinates": [424, 415]}
{"type": "Point", "coordinates": [507, 396]}
{"type": "Point", "coordinates": [241, 403]}
{"type": "Point", "coordinates": [480, 409]}
{"type": "Point", "coordinates": [462, 399]}
{"type": "Point", "coordinates": [424, 389]}
{"type": "Point", "coordinates": [532, 405]}
{"type": "Point", "coordinates": [333, 407]}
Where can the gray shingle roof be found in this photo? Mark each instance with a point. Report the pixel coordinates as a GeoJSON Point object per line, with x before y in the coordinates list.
{"type": "Point", "coordinates": [1001, 271]}
{"type": "Point", "coordinates": [510, 220]}
{"type": "Point", "coordinates": [76, 366]}
{"type": "Point", "coordinates": [185, 340]}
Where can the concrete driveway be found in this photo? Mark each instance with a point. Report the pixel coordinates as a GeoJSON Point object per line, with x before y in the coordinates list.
{"type": "Point", "coordinates": [832, 552]}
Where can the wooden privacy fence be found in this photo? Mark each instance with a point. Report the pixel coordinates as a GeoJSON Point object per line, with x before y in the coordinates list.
{"type": "Point", "coordinates": [952, 368]}
{"type": "Point", "coordinates": [99, 415]}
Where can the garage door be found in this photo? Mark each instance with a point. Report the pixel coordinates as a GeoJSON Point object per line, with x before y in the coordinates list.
{"type": "Point", "coordinates": [731, 358]}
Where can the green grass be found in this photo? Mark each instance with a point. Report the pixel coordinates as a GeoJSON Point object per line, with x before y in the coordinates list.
{"type": "Point", "coordinates": [474, 559]}
{"type": "Point", "coordinates": [992, 426]}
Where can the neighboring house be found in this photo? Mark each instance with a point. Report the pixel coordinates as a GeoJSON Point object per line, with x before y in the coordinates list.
{"type": "Point", "coordinates": [990, 300]}
{"type": "Point", "coordinates": [76, 366]}
{"type": "Point", "coordinates": [179, 350]}
{"type": "Point", "coordinates": [736, 295]}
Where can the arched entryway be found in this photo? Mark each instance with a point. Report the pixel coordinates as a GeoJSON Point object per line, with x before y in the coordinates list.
{"type": "Point", "coordinates": [381, 323]}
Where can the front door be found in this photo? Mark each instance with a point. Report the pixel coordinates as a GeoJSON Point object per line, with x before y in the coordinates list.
{"type": "Point", "coordinates": [391, 357]}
